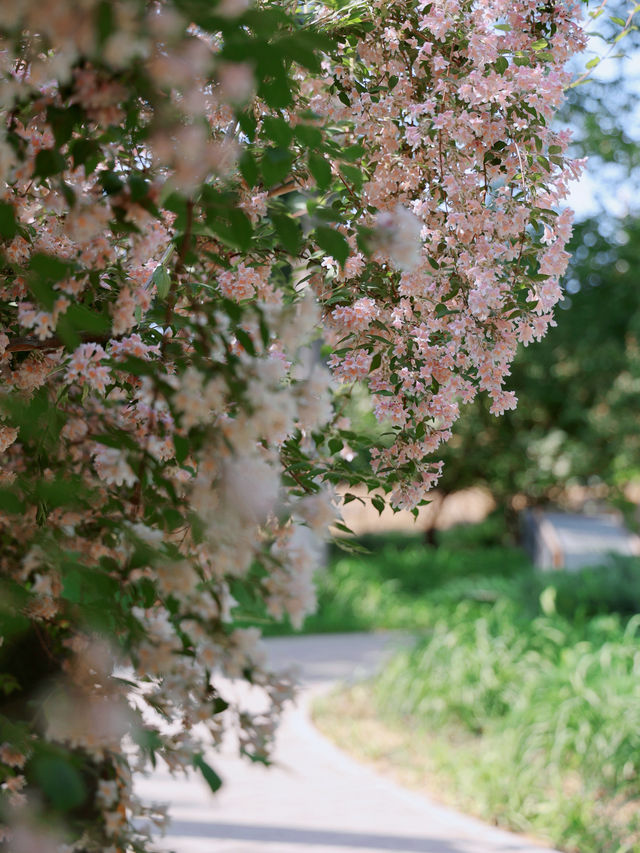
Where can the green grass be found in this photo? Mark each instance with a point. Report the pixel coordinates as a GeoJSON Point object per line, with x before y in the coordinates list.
{"type": "Point", "coordinates": [386, 587]}
{"type": "Point", "coordinates": [524, 685]}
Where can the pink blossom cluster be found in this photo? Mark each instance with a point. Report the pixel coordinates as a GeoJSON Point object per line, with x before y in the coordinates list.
{"type": "Point", "coordinates": [464, 163]}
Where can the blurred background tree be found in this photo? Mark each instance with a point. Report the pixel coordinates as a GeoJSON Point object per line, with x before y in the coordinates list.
{"type": "Point", "coordinates": [576, 420]}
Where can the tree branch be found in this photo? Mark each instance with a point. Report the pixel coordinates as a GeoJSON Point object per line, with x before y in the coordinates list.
{"type": "Point", "coordinates": [28, 343]}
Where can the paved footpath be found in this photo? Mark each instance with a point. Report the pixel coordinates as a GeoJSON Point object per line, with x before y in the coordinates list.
{"type": "Point", "coordinates": [315, 799]}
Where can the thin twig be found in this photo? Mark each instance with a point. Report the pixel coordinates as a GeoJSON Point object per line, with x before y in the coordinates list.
{"type": "Point", "coordinates": [626, 28]}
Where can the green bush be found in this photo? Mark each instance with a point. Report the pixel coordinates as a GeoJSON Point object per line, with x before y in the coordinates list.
{"type": "Point", "coordinates": [606, 589]}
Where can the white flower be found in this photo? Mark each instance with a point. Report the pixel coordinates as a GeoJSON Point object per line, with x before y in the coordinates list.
{"type": "Point", "coordinates": [295, 331]}
{"type": "Point", "coordinates": [319, 510]}
{"type": "Point", "coordinates": [178, 577]}
{"type": "Point", "coordinates": [314, 405]}
{"type": "Point", "coordinates": [399, 234]}
{"type": "Point", "coordinates": [112, 466]}
{"type": "Point", "coordinates": [107, 794]}
{"type": "Point", "coordinates": [274, 412]}
{"type": "Point", "coordinates": [250, 488]}
{"type": "Point", "coordinates": [7, 436]}
{"type": "Point", "coordinates": [150, 535]}
{"type": "Point", "coordinates": [231, 8]}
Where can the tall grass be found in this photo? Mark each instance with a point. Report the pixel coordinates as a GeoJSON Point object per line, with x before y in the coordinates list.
{"type": "Point", "coordinates": [525, 685]}
{"type": "Point", "coordinates": [548, 712]}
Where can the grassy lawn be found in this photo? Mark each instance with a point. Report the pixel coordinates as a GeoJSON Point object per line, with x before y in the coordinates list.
{"type": "Point", "coordinates": [520, 702]}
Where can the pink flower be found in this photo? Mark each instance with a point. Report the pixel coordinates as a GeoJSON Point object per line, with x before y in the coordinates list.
{"type": "Point", "coordinates": [84, 367]}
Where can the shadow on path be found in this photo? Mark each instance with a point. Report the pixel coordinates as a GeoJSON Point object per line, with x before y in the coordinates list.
{"type": "Point", "coordinates": [321, 837]}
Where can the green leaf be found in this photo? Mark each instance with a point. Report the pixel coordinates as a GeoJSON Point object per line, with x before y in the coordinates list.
{"type": "Point", "coordinates": [111, 182]}
{"type": "Point", "coordinates": [8, 224]}
{"type": "Point", "coordinates": [378, 503]}
{"type": "Point", "coordinates": [624, 34]}
{"type": "Point", "coordinates": [289, 232]}
{"type": "Point", "coordinates": [540, 44]}
{"type": "Point", "coordinates": [8, 684]}
{"type": "Point", "coordinates": [210, 776]}
{"type": "Point", "coordinates": [67, 333]}
{"type": "Point", "coordinates": [339, 525]}
{"type": "Point", "coordinates": [277, 130]}
{"type": "Point", "coordinates": [501, 64]}
{"type": "Point", "coordinates": [85, 152]}
{"type": "Point", "coordinates": [162, 281]}
{"type": "Point", "coordinates": [62, 121]}
{"type": "Point", "coordinates": [219, 705]}
{"type": "Point", "coordinates": [303, 47]}
{"type": "Point", "coordinates": [49, 162]}
{"type": "Point", "coordinates": [320, 169]}
{"type": "Point", "coordinates": [10, 502]}
{"type": "Point", "coordinates": [353, 174]}
{"type": "Point", "coordinates": [85, 320]}
{"type": "Point", "coordinates": [333, 242]}
{"type": "Point", "coordinates": [42, 290]}
{"type": "Point", "coordinates": [276, 165]}
{"type": "Point", "coordinates": [248, 124]}
{"type": "Point", "coordinates": [138, 367]}
{"type": "Point", "coordinates": [49, 266]}
{"type": "Point", "coordinates": [182, 446]}
{"type": "Point", "coordinates": [548, 600]}
{"type": "Point", "coordinates": [149, 742]}
{"type": "Point", "coordinates": [241, 229]}
{"type": "Point", "coordinates": [593, 62]}
{"type": "Point", "coordinates": [352, 153]}
{"type": "Point", "coordinates": [139, 187]}
{"type": "Point", "coordinates": [60, 492]}
{"type": "Point", "coordinates": [249, 169]}
{"type": "Point", "coordinates": [59, 780]}
{"type": "Point", "coordinates": [235, 228]}
{"type": "Point", "coordinates": [274, 89]}
{"type": "Point", "coordinates": [245, 340]}
{"type": "Point", "coordinates": [105, 21]}
{"type": "Point", "coordinates": [89, 585]}
{"type": "Point", "coordinates": [307, 135]}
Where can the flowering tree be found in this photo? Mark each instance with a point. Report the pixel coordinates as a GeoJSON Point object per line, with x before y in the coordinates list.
{"type": "Point", "coordinates": [193, 192]}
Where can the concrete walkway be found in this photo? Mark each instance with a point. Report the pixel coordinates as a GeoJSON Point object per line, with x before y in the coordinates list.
{"type": "Point", "coordinates": [315, 799]}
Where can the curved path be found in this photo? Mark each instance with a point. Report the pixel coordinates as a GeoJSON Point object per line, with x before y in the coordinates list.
{"type": "Point", "coordinates": [316, 799]}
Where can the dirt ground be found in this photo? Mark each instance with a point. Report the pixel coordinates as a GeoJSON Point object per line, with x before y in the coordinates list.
{"type": "Point", "coordinates": [467, 506]}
